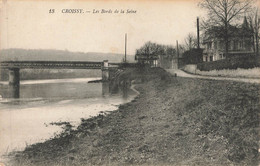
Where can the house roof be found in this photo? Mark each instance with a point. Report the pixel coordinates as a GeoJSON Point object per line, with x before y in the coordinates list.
{"type": "Point", "coordinates": [234, 31]}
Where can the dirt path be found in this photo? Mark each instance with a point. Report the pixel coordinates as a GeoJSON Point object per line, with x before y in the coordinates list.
{"type": "Point", "coordinates": [181, 73]}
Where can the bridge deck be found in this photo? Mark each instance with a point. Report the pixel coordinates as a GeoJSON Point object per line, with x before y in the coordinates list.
{"type": "Point", "coordinates": [51, 64]}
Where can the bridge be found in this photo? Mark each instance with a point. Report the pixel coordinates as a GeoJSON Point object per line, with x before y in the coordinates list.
{"type": "Point", "coordinates": [51, 65]}
{"type": "Point", "coordinates": [15, 66]}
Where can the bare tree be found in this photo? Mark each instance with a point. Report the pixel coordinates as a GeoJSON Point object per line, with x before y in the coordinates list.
{"type": "Point", "coordinates": [190, 41]}
{"type": "Point", "coordinates": [149, 50]}
{"type": "Point", "coordinates": [152, 51]}
{"type": "Point", "coordinates": [170, 52]}
{"type": "Point", "coordinates": [254, 23]}
{"type": "Point", "coordinates": [223, 13]}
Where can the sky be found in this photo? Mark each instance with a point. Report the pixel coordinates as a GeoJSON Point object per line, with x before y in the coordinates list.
{"type": "Point", "coordinates": [29, 25]}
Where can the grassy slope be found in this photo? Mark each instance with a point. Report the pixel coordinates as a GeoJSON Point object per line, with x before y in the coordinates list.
{"type": "Point", "coordinates": [174, 121]}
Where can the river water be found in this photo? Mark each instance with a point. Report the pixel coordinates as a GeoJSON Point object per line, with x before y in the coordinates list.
{"type": "Point", "coordinates": [27, 120]}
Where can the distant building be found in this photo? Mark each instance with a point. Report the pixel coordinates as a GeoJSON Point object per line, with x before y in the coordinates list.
{"type": "Point", "coordinates": [167, 62]}
{"type": "Point", "coordinates": [158, 61]}
{"type": "Point", "coordinates": [152, 60]}
{"type": "Point", "coordinates": [240, 42]}
{"type": "Point", "coordinates": [156, 55]}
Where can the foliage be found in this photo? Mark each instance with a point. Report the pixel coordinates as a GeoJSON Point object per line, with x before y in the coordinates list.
{"type": "Point", "coordinates": [244, 62]}
{"type": "Point", "coordinates": [151, 51]}
{"type": "Point", "coordinates": [192, 56]}
{"type": "Point", "coordinates": [190, 41]}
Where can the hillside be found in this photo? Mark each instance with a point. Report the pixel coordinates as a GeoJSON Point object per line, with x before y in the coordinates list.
{"type": "Point", "coordinates": [59, 55]}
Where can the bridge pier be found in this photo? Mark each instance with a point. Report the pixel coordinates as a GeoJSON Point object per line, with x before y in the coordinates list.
{"type": "Point", "coordinates": [105, 71]}
{"type": "Point", "coordinates": [14, 82]}
{"type": "Point", "coordinates": [105, 89]}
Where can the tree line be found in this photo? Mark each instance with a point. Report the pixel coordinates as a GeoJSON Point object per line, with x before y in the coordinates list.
{"type": "Point", "coordinates": [152, 50]}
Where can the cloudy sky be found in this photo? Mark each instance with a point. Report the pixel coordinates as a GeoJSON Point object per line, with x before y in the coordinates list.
{"type": "Point", "coordinates": [29, 25]}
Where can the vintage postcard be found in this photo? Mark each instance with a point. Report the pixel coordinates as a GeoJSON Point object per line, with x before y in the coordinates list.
{"type": "Point", "coordinates": [120, 82]}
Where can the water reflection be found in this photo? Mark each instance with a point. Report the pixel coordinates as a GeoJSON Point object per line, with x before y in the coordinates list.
{"type": "Point", "coordinates": [14, 91]}
{"type": "Point", "coordinates": [125, 88]}
{"type": "Point", "coordinates": [105, 89]}
{"type": "Point", "coordinates": [111, 88]}
{"type": "Point", "coordinates": [9, 91]}
{"type": "Point", "coordinates": [44, 91]}
{"type": "Point", "coordinates": [63, 89]}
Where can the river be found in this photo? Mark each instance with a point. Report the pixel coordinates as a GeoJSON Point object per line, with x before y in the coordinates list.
{"type": "Point", "coordinates": [27, 120]}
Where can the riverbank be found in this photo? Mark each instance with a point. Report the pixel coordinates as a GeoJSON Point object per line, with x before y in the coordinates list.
{"type": "Point", "coordinates": [27, 120]}
{"type": "Point", "coordinates": [173, 121]}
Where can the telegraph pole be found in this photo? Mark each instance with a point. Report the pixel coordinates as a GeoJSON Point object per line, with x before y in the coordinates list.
{"type": "Point", "coordinates": [177, 45]}
{"type": "Point", "coordinates": [198, 32]}
{"type": "Point", "coordinates": [125, 45]}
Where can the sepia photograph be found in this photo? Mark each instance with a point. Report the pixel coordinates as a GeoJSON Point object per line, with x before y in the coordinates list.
{"type": "Point", "coordinates": [129, 82]}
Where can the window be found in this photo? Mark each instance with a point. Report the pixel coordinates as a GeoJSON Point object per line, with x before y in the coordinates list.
{"type": "Point", "coordinates": [215, 45]}
{"type": "Point", "coordinates": [221, 56]}
{"type": "Point", "coordinates": [209, 45]}
{"type": "Point", "coordinates": [221, 44]}
{"type": "Point", "coordinates": [230, 45]}
{"type": "Point", "coordinates": [241, 45]}
{"type": "Point", "coordinates": [235, 45]}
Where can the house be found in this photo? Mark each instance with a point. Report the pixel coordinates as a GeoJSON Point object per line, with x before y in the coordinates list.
{"type": "Point", "coordinates": [240, 42]}
{"type": "Point", "coordinates": [152, 60]}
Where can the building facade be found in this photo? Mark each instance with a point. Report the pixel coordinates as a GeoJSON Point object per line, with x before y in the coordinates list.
{"type": "Point", "coordinates": [240, 43]}
{"type": "Point", "coordinates": [158, 61]}
{"type": "Point", "coordinates": [151, 60]}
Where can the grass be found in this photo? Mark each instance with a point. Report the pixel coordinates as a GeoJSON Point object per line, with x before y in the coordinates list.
{"type": "Point", "coordinates": [247, 73]}
{"type": "Point", "coordinates": [173, 121]}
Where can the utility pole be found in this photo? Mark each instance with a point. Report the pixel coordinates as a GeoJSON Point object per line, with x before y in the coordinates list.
{"type": "Point", "coordinates": [198, 32]}
{"type": "Point", "coordinates": [125, 45]}
{"type": "Point", "coordinates": [177, 45]}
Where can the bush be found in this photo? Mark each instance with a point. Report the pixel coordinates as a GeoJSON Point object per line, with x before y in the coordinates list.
{"type": "Point", "coordinates": [130, 65]}
{"type": "Point", "coordinates": [245, 62]}
{"type": "Point", "coordinates": [192, 56]}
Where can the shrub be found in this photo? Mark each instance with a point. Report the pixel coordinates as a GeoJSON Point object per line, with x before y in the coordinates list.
{"type": "Point", "coordinates": [192, 56]}
{"type": "Point", "coordinates": [244, 62]}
